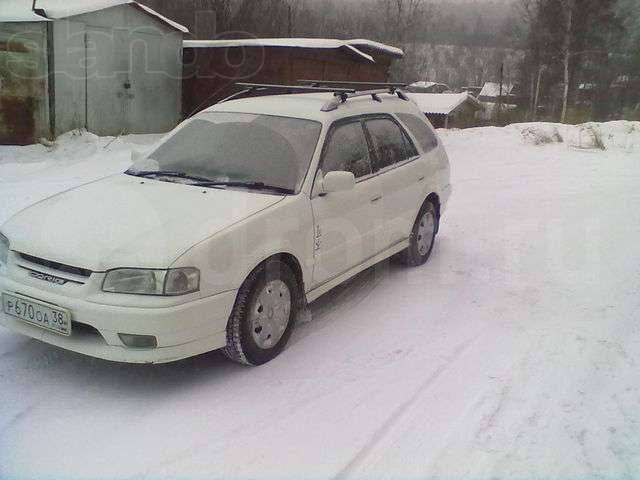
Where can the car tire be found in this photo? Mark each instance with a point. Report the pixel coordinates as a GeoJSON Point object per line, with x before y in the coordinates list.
{"type": "Point", "coordinates": [423, 236]}
{"type": "Point", "coordinates": [264, 314]}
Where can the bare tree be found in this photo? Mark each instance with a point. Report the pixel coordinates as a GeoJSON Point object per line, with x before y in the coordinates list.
{"type": "Point", "coordinates": [568, 7]}
{"type": "Point", "coordinates": [401, 17]}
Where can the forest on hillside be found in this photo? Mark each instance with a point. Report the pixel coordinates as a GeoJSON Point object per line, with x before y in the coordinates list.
{"type": "Point", "coordinates": [574, 60]}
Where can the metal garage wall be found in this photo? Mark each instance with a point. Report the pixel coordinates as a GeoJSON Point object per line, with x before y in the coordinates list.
{"type": "Point", "coordinates": [107, 59]}
{"type": "Point", "coordinates": [132, 72]}
{"type": "Point", "coordinates": [70, 72]}
{"type": "Point", "coordinates": [156, 81]}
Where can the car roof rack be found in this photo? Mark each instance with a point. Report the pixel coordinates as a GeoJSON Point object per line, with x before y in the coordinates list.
{"type": "Point", "coordinates": [374, 89]}
{"type": "Point", "coordinates": [342, 90]}
{"type": "Point", "coordinates": [252, 88]}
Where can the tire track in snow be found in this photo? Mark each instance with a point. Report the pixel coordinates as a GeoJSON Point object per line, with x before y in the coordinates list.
{"type": "Point", "coordinates": [398, 413]}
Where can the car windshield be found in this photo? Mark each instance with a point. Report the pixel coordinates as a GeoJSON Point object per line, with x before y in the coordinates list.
{"type": "Point", "coordinates": [238, 149]}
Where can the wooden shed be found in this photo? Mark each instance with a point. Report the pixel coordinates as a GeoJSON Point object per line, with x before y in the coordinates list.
{"type": "Point", "coordinates": [448, 110]}
{"type": "Point", "coordinates": [211, 67]}
{"type": "Point", "coordinates": [109, 66]}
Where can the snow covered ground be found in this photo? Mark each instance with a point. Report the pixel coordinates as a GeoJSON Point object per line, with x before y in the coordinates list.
{"type": "Point", "coordinates": [514, 353]}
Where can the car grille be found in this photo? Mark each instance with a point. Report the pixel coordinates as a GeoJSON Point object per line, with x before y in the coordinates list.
{"type": "Point", "coordinates": [81, 272]}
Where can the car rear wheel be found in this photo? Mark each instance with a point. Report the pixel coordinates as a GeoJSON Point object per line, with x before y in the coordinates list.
{"type": "Point", "coordinates": [422, 237]}
{"type": "Point", "coordinates": [264, 314]}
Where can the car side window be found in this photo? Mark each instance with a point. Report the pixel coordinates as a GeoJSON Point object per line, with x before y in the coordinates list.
{"type": "Point", "coordinates": [419, 128]}
{"type": "Point", "coordinates": [347, 150]}
{"type": "Point", "coordinates": [390, 143]}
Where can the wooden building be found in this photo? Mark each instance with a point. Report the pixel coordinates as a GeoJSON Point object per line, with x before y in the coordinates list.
{"type": "Point", "coordinates": [448, 110]}
{"type": "Point", "coordinates": [211, 67]}
{"type": "Point", "coordinates": [428, 87]}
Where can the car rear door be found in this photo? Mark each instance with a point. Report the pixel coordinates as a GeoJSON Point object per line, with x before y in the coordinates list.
{"type": "Point", "coordinates": [348, 225]}
{"type": "Point", "coordinates": [401, 172]}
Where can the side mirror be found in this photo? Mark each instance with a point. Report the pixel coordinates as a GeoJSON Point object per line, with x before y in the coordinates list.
{"type": "Point", "coordinates": [338, 182]}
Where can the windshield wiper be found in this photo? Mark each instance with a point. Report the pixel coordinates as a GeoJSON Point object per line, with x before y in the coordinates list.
{"type": "Point", "coordinates": [165, 173]}
{"type": "Point", "coordinates": [205, 182]}
{"type": "Point", "coordinates": [249, 185]}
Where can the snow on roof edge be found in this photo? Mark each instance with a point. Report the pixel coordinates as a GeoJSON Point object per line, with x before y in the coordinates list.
{"type": "Point", "coordinates": [320, 43]}
{"type": "Point", "coordinates": [492, 89]}
{"type": "Point", "coordinates": [360, 52]}
{"type": "Point", "coordinates": [298, 43]}
{"type": "Point", "coordinates": [20, 18]}
{"type": "Point", "coordinates": [441, 103]}
{"type": "Point", "coordinates": [381, 47]}
{"type": "Point", "coordinates": [162, 18]}
{"type": "Point", "coordinates": [18, 11]}
{"type": "Point", "coordinates": [71, 9]}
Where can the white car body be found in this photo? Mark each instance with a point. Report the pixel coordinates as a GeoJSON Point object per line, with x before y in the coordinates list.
{"type": "Point", "coordinates": [125, 221]}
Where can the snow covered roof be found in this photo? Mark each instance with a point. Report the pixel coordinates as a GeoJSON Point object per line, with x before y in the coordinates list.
{"type": "Point", "coordinates": [442, 103]}
{"type": "Point", "coordinates": [380, 47]}
{"type": "Point", "coordinates": [423, 84]}
{"type": "Point", "coordinates": [168, 21]}
{"type": "Point", "coordinates": [20, 10]}
{"type": "Point", "coordinates": [492, 89]}
{"type": "Point", "coordinates": [428, 87]}
{"type": "Point", "coordinates": [318, 43]}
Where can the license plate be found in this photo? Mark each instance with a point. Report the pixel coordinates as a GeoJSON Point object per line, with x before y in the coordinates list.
{"type": "Point", "coordinates": [48, 317]}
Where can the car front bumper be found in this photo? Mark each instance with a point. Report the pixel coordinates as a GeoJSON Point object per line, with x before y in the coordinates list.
{"type": "Point", "coordinates": [181, 331]}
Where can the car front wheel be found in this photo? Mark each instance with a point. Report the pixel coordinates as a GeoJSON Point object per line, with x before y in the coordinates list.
{"type": "Point", "coordinates": [422, 237]}
{"type": "Point", "coordinates": [263, 315]}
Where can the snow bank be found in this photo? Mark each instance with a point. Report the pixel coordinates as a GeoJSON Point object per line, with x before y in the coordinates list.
{"type": "Point", "coordinates": [524, 325]}
{"type": "Point", "coordinates": [539, 133]}
{"type": "Point", "coordinates": [72, 147]}
{"type": "Point", "coordinates": [30, 173]}
{"type": "Point", "coordinates": [618, 135]}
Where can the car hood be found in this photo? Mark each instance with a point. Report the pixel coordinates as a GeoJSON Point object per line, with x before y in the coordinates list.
{"type": "Point", "coordinates": [126, 221]}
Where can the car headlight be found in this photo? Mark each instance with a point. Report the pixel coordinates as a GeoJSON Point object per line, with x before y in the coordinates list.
{"type": "Point", "coordinates": [4, 249]}
{"type": "Point", "coordinates": [138, 281]}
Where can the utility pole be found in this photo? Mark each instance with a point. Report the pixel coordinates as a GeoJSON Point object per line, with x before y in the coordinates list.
{"type": "Point", "coordinates": [536, 99]}
{"type": "Point", "coordinates": [290, 21]}
{"type": "Point", "coordinates": [568, 6]}
{"type": "Point", "coordinates": [499, 104]}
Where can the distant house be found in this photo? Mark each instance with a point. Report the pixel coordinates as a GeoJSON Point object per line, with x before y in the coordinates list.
{"type": "Point", "coordinates": [475, 91]}
{"type": "Point", "coordinates": [213, 66]}
{"type": "Point", "coordinates": [110, 66]}
{"type": "Point", "coordinates": [448, 110]}
{"type": "Point", "coordinates": [491, 92]}
{"type": "Point", "coordinates": [493, 95]}
{"type": "Point", "coordinates": [428, 87]}
{"type": "Point", "coordinates": [618, 92]}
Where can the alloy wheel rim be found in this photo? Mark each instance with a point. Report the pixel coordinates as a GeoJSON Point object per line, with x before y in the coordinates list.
{"type": "Point", "coordinates": [426, 230]}
{"type": "Point", "coordinates": [269, 314]}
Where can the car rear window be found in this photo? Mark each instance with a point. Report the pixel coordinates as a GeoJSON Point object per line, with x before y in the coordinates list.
{"type": "Point", "coordinates": [390, 143]}
{"type": "Point", "coordinates": [421, 130]}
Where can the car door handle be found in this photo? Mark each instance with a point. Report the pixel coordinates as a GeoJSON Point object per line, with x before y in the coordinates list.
{"type": "Point", "coordinates": [376, 199]}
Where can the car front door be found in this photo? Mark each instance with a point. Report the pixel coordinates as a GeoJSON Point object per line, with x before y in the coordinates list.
{"type": "Point", "coordinates": [402, 175]}
{"type": "Point", "coordinates": [348, 225]}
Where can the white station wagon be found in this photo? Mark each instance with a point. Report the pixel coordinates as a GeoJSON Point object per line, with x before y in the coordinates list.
{"type": "Point", "coordinates": [219, 237]}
